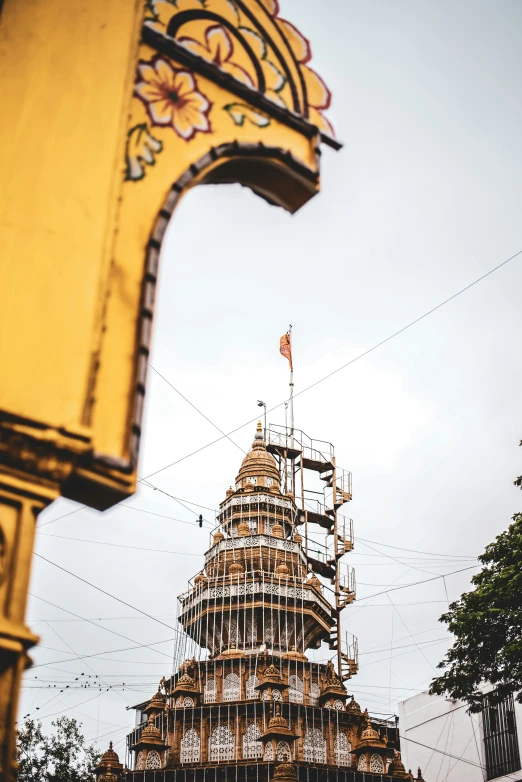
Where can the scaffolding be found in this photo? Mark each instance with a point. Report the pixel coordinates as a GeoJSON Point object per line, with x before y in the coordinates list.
{"type": "Point", "coordinates": [298, 457]}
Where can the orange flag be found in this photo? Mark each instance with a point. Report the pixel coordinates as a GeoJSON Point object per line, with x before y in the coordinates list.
{"type": "Point", "coordinates": [285, 347]}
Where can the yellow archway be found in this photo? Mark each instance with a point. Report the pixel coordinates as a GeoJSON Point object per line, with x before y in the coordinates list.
{"type": "Point", "coordinates": [110, 114]}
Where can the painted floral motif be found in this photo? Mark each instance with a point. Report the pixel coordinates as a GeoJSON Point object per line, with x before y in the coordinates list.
{"type": "Point", "coordinates": [140, 151]}
{"type": "Point", "coordinates": [318, 94]}
{"type": "Point", "coordinates": [248, 49]}
{"type": "Point", "coordinates": [240, 112]}
{"type": "Point", "coordinates": [218, 48]}
{"type": "Point", "coordinates": [171, 98]}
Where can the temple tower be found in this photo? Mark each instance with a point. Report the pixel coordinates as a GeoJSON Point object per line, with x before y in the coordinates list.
{"type": "Point", "coordinates": [258, 689]}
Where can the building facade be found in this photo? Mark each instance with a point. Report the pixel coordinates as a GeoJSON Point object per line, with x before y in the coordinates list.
{"type": "Point", "coordinates": [438, 734]}
{"type": "Point", "coordinates": [245, 701]}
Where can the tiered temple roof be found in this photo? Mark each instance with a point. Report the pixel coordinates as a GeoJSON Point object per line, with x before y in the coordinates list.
{"type": "Point", "coordinates": [245, 700]}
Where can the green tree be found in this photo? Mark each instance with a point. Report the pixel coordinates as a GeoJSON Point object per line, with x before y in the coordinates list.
{"type": "Point", "coordinates": [487, 625]}
{"type": "Point", "coordinates": [61, 757]}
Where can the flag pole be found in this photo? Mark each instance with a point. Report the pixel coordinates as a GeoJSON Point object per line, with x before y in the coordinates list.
{"type": "Point", "coordinates": [291, 387]}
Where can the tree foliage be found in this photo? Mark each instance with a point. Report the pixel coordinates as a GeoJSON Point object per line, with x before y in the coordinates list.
{"type": "Point", "coordinates": [61, 757]}
{"type": "Point", "coordinates": [487, 624]}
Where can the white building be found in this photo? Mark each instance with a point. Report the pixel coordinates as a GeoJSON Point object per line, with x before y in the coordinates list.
{"type": "Point", "coordinates": [450, 745]}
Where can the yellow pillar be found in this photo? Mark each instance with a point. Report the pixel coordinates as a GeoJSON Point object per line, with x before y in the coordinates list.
{"type": "Point", "coordinates": [20, 504]}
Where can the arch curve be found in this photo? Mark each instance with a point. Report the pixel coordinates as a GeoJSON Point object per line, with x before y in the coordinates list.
{"type": "Point", "coordinates": [270, 172]}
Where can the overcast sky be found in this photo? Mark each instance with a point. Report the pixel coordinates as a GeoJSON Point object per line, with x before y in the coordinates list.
{"type": "Point", "coordinates": [423, 199]}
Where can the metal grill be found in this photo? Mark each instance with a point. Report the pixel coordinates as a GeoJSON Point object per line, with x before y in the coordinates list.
{"type": "Point", "coordinates": [500, 737]}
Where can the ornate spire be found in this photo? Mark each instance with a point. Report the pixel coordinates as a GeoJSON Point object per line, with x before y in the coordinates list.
{"type": "Point", "coordinates": [278, 721]}
{"type": "Point", "coordinates": [150, 731]}
{"type": "Point", "coordinates": [258, 468]}
{"type": "Point", "coordinates": [369, 736]}
{"type": "Point", "coordinates": [109, 756]}
{"type": "Point", "coordinates": [397, 766]}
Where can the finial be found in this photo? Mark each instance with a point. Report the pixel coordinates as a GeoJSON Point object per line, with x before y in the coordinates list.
{"type": "Point", "coordinates": [110, 744]}
{"type": "Point", "coordinates": [259, 437]}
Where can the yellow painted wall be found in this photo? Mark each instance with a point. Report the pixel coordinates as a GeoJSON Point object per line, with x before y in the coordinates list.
{"type": "Point", "coordinates": [66, 72]}
{"type": "Point", "coordinates": [86, 164]}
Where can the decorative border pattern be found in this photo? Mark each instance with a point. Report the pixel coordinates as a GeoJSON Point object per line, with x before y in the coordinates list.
{"type": "Point", "coordinates": [303, 592]}
{"type": "Point", "coordinates": [210, 70]}
{"type": "Point", "coordinates": [255, 499]}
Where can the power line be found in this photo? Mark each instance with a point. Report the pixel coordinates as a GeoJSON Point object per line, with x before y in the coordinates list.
{"type": "Point", "coordinates": [114, 618]}
{"type": "Point", "coordinates": [161, 515]}
{"type": "Point", "coordinates": [409, 325]}
{"type": "Point", "coordinates": [395, 611]}
{"type": "Point", "coordinates": [191, 554]}
{"type": "Point", "coordinates": [416, 583]}
{"type": "Point", "coordinates": [379, 648]}
{"type": "Point", "coordinates": [104, 592]}
{"type": "Point", "coordinates": [89, 621]}
{"type": "Point", "coordinates": [352, 361]}
{"type": "Point", "coordinates": [348, 363]}
{"type": "Point", "coordinates": [149, 485]}
{"type": "Point", "coordinates": [62, 711]}
{"type": "Point", "coordinates": [121, 545]}
{"type": "Point", "coordinates": [76, 510]}
{"type": "Point", "coordinates": [109, 651]}
{"type": "Point", "coordinates": [195, 408]}
{"type": "Point", "coordinates": [412, 550]}
{"type": "Point", "coordinates": [398, 560]}
{"type": "Point", "coordinates": [184, 521]}
{"type": "Point", "coordinates": [140, 510]}
{"type": "Point", "coordinates": [454, 757]}
{"type": "Point", "coordinates": [402, 654]}
{"type": "Point", "coordinates": [186, 553]}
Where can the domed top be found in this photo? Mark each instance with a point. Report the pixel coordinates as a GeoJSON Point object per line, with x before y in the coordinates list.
{"type": "Point", "coordinates": [259, 467]}
{"type": "Point", "coordinates": [109, 756]}
{"type": "Point", "coordinates": [285, 771]}
{"type": "Point", "coordinates": [150, 731]}
{"type": "Point", "coordinates": [397, 766]}
{"type": "Point", "coordinates": [157, 702]}
{"type": "Point", "coordinates": [185, 683]}
{"type": "Point", "coordinates": [271, 674]}
{"type": "Point", "coordinates": [369, 736]}
{"type": "Point", "coordinates": [353, 706]}
{"type": "Point", "coordinates": [278, 721]}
